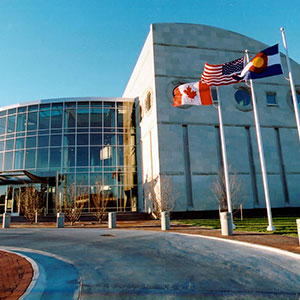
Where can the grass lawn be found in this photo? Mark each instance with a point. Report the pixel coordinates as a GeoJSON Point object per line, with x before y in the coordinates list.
{"type": "Point", "coordinates": [284, 225]}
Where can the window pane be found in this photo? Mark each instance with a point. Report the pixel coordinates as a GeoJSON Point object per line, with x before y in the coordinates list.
{"type": "Point", "coordinates": [70, 117]}
{"type": "Point", "coordinates": [109, 139]}
{"type": "Point", "coordinates": [30, 142]}
{"type": "Point", "coordinates": [82, 139]}
{"type": "Point", "coordinates": [82, 179]}
{"type": "Point", "coordinates": [1, 161]}
{"type": "Point", "coordinates": [242, 97]}
{"type": "Point", "coordinates": [109, 118]}
{"type": "Point", "coordinates": [96, 117]}
{"type": "Point", "coordinates": [8, 160]}
{"type": "Point", "coordinates": [30, 159]}
{"type": "Point", "coordinates": [120, 113]}
{"type": "Point", "coordinates": [32, 107]}
{"type": "Point", "coordinates": [42, 158]}
{"type": "Point", "coordinates": [45, 106]}
{"type": "Point", "coordinates": [22, 109]}
{"type": "Point", "coordinates": [21, 121]}
{"type": "Point", "coordinates": [20, 143]}
{"type": "Point", "coordinates": [69, 139]}
{"type": "Point", "coordinates": [32, 121]}
{"type": "Point", "coordinates": [95, 178]}
{"type": "Point", "coordinates": [11, 124]}
{"type": "Point", "coordinates": [44, 118]}
{"type": "Point", "coordinates": [9, 144]}
{"type": "Point", "coordinates": [2, 125]}
{"type": "Point", "coordinates": [110, 178]}
{"type": "Point", "coordinates": [19, 159]}
{"type": "Point", "coordinates": [43, 141]}
{"type": "Point", "coordinates": [55, 140]}
{"type": "Point", "coordinates": [69, 157]}
{"type": "Point", "coordinates": [1, 145]}
{"type": "Point", "coordinates": [55, 157]}
{"type": "Point", "coordinates": [82, 118]}
{"type": "Point", "coordinates": [271, 99]}
{"type": "Point", "coordinates": [96, 139]}
{"type": "Point", "coordinates": [56, 119]}
{"type": "Point", "coordinates": [95, 156]}
{"type": "Point", "coordinates": [82, 156]}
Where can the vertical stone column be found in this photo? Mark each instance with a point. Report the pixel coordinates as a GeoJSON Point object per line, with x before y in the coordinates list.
{"type": "Point", "coordinates": [112, 220]}
{"type": "Point", "coordinates": [60, 220]}
{"type": "Point", "coordinates": [165, 220]}
{"type": "Point", "coordinates": [6, 220]}
{"type": "Point", "coordinates": [226, 223]}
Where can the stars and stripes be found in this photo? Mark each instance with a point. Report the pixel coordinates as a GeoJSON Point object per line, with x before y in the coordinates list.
{"type": "Point", "coordinates": [223, 74]}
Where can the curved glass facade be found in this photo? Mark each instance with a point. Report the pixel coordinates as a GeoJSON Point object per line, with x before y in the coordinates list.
{"type": "Point", "coordinates": [82, 141]}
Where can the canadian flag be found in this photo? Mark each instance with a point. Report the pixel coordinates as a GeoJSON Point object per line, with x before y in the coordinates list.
{"type": "Point", "coordinates": [192, 93]}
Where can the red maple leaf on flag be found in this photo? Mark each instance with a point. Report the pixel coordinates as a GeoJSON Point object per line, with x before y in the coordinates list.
{"type": "Point", "coordinates": [190, 93]}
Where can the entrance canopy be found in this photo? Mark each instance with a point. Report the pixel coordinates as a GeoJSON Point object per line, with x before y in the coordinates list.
{"type": "Point", "coordinates": [24, 177]}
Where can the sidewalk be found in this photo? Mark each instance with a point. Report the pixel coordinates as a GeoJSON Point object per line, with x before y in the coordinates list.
{"type": "Point", "coordinates": [16, 272]}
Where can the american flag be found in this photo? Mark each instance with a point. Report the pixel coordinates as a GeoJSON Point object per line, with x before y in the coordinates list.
{"type": "Point", "coordinates": [223, 74]}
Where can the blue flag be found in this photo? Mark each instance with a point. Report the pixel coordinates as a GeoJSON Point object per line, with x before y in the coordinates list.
{"type": "Point", "coordinates": [264, 64]}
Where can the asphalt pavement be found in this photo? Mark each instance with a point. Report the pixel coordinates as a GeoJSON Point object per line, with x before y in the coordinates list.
{"type": "Point", "coordinates": [128, 264]}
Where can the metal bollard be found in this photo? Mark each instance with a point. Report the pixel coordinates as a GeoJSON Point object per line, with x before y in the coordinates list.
{"type": "Point", "coordinates": [112, 220]}
{"type": "Point", "coordinates": [165, 220]}
{"type": "Point", "coordinates": [6, 220]}
{"type": "Point", "coordinates": [298, 229]}
{"type": "Point", "coordinates": [60, 220]}
{"type": "Point", "coordinates": [226, 223]}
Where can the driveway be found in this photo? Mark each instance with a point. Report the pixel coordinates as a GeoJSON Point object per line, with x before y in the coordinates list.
{"type": "Point", "coordinates": [128, 264]}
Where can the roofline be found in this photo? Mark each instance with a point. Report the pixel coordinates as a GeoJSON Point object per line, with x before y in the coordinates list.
{"type": "Point", "coordinates": [68, 99]}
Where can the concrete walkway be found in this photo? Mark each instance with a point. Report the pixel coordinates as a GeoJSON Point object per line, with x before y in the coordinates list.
{"type": "Point", "coordinates": [128, 264]}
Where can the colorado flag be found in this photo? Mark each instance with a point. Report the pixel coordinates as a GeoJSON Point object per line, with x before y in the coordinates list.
{"type": "Point", "coordinates": [193, 93]}
{"type": "Point", "coordinates": [264, 64]}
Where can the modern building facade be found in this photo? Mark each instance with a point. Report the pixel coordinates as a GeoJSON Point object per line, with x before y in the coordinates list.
{"type": "Point", "coordinates": [68, 147]}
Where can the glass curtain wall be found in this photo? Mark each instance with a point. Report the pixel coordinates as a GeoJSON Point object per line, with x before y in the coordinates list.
{"type": "Point", "coordinates": [90, 144]}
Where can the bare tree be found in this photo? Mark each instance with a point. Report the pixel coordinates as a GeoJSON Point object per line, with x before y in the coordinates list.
{"type": "Point", "coordinates": [74, 202]}
{"type": "Point", "coordinates": [100, 200]}
{"type": "Point", "coordinates": [160, 195]}
{"type": "Point", "coordinates": [32, 203]}
{"type": "Point", "coordinates": [218, 191]}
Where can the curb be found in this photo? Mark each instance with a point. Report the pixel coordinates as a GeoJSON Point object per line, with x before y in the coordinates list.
{"type": "Point", "coordinates": [257, 246]}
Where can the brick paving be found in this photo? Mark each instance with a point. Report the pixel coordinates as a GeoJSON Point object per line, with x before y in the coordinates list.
{"type": "Point", "coordinates": [15, 275]}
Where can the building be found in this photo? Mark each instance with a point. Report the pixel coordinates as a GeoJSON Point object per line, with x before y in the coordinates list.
{"type": "Point", "coordinates": [185, 144]}
{"type": "Point", "coordinates": [78, 147]}
{"type": "Point", "coordinates": [69, 148]}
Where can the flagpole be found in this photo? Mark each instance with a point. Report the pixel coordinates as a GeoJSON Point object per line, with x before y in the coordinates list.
{"type": "Point", "coordinates": [271, 227]}
{"type": "Point", "coordinates": [224, 155]}
{"type": "Point", "coordinates": [293, 90]}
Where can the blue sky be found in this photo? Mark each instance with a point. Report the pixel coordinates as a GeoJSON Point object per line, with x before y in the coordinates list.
{"type": "Point", "coordinates": [68, 48]}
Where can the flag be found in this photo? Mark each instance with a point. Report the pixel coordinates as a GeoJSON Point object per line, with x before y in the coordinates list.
{"type": "Point", "coordinates": [264, 64]}
{"type": "Point", "coordinates": [223, 74]}
{"type": "Point", "coordinates": [193, 93]}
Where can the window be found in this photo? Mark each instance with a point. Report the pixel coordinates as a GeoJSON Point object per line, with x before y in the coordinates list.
{"type": "Point", "coordinates": [30, 159]}
{"type": "Point", "coordinates": [271, 99]}
{"type": "Point", "coordinates": [298, 99]}
{"type": "Point", "coordinates": [148, 101]}
{"type": "Point", "coordinates": [11, 123]}
{"type": "Point", "coordinates": [242, 99]}
{"type": "Point", "coordinates": [2, 125]}
{"type": "Point", "coordinates": [42, 158]}
{"type": "Point", "coordinates": [214, 95]}
{"type": "Point", "coordinates": [32, 121]}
